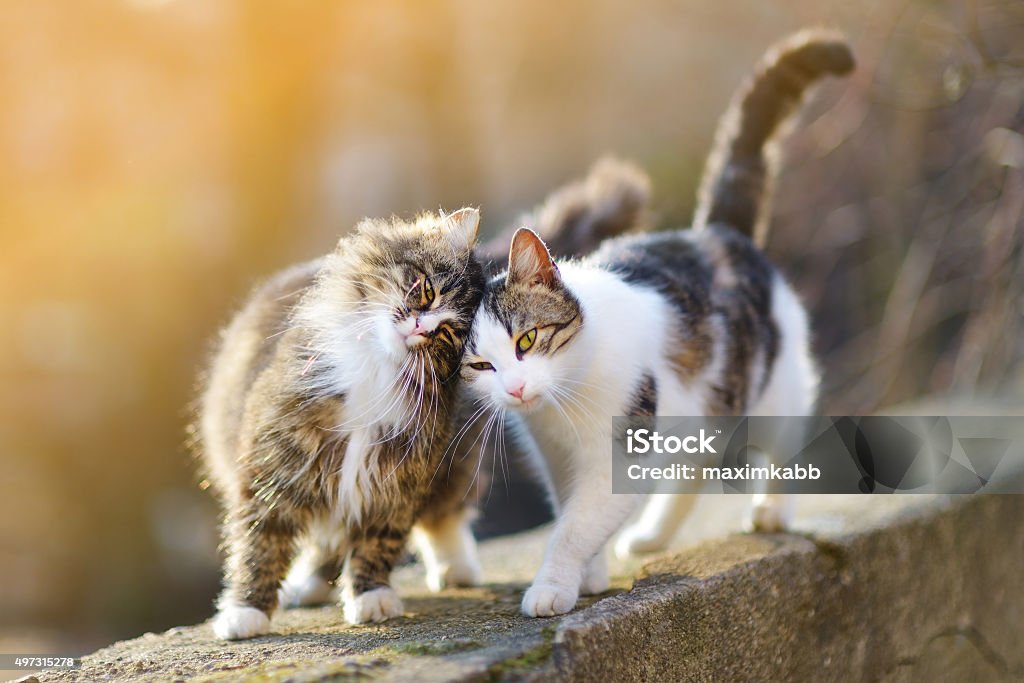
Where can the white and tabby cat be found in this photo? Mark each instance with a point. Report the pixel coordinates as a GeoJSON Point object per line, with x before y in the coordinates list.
{"type": "Point", "coordinates": [693, 322]}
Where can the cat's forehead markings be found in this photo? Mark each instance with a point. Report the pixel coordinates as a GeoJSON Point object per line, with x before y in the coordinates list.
{"type": "Point", "coordinates": [489, 335]}
{"type": "Point", "coordinates": [499, 313]}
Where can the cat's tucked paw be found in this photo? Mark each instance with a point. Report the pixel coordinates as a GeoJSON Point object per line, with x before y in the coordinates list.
{"type": "Point", "coordinates": [463, 572]}
{"type": "Point", "coordinates": [306, 591]}
{"type": "Point", "coordinates": [376, 605]}
{"type": "Point", "coordinates": [634, 541]}
{"type": "Point", "coordinates": [547, 600]}
{"type": "Point", "coordinates": [769, 517]}
{"type": "Point", "coordinates": [237, 622]}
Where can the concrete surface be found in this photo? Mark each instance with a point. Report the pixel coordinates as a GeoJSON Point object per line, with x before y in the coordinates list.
{"type": "Point", "coordinates": [890, 589]}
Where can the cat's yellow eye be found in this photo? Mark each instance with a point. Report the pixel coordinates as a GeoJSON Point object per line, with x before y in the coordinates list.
{"type": "Point", "coordinates": [482, 365]}
{"type": "Point", "coordinates": [427, 292]}
{"type": "Point", "coordinates": [526, 341]}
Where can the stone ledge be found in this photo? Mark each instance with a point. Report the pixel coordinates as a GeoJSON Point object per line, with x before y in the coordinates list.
{"type": "Point", "coordinates": [935, 593]}
{"type": "Point", "coordinates": [885, 589]}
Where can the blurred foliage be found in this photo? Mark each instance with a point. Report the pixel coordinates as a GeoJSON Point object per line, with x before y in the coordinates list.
{"type": "Point", "coordinates": [160, 156]}
{"type": "Point", "coordinates": [900, 213]}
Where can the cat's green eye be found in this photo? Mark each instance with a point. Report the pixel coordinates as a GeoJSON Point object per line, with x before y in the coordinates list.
{"type": "Point", "coordinates": [426, 292]}
{"type": "Point", "coordinates": [526, 341]}
{"type": "Point", "coordinates": [482, 365]}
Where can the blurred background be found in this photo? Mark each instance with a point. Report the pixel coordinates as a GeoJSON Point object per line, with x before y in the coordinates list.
{"type": "Point", "coordinates": [159, 156]}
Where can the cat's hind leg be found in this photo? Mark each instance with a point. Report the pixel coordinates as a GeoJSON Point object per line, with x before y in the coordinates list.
{"type": "Point", "coordinates": [791, 391]}
{"type": "Point", "coordinates": [448, 550]}
{"type": "Point", "coordinates": [595, 576]}
{"type": "Point", "coordinates": [770, 513]}
{"type": "Point", "coordinates": [442, 535]}
{"type": "Point", "coordinates": [661, 518]}
{"type": "Point", "coordinates": [312, 578]}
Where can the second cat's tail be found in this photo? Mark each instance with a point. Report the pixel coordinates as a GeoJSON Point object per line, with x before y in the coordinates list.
{"type": "Point", "coordinates": [736, 184]}
{"type": "Point", "coordinates": [613, 199]}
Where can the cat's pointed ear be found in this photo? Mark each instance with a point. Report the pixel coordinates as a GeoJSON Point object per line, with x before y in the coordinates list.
{"type": "Point", "coordinates": [529, 261]}
{"type": "Point", "coordinates": [462, 228]}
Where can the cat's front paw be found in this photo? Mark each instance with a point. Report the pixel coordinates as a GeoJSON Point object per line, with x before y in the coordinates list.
{"type": "Point", "coordinates": [238, 622]}
{"type": "Point", "coordinates": [547, 600]}
{"type": "Point", "coordinates": [463, 572]}
{"type": "Point", "coordinates": [371, 606]}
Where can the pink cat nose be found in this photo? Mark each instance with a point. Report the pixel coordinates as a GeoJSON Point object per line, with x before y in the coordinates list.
{"type": "Point", "coordinates": [517, 391]}
{"type": "Point", "coordinates": [418, 329]}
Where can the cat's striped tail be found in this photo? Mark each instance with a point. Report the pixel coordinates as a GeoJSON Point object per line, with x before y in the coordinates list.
{"type": "Point", "coordinates": [736, 186]}
{"type": "Point", "coordinates": [613, 199]}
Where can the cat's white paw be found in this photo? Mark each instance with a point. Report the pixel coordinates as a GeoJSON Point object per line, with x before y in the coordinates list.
{"type": "Point", "coordinates": [547, 600]}
{"type": "Point", "coordinates": [770, 515]}
{"type": "Point", "coordinates": [448, 551]}
{"type": "Point", "coordinates": [462, 572]}
{"type": "Point", "coordinates": [376, 605]}
{"type": "Point", "coordinates": [634, 541]}
{"type": "Point", "coordinates": [238, 622]}
{"type": "Point", "coordinates": [305, 591]}
{"type": "Point", "coordinates": [595, 578]}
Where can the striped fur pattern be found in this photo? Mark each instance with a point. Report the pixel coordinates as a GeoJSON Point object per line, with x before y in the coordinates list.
{"type": "Point", "coordinates": [327, 414]}
{"type": "Point", "coordinates": [611, 200]}
{"type": "Point", "coordinates": [736, 187]}
{"type": "Point", "coordinates": [693, 322]}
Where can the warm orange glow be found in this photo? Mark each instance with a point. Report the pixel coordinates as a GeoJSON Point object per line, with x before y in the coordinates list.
{"type": "Point", "coordinates": [160, 156]}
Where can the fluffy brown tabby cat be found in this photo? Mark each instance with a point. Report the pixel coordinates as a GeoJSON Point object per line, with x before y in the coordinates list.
{"type": "Point", "coordinates": [329, 408]}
